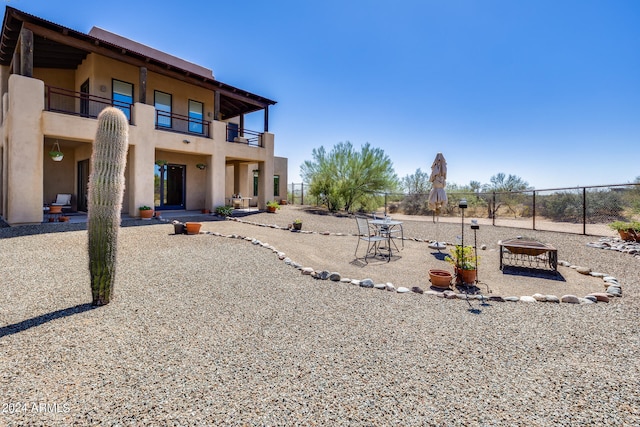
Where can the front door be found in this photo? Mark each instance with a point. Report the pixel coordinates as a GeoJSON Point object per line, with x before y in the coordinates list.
{"type": "Point", "coordinates": [83, 183]}
{"type": "Point", "coordinates": [170, 186]}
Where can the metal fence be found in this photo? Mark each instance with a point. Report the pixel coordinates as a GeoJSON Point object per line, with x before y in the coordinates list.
{"type": "Point", "coordinates": [579, 210]}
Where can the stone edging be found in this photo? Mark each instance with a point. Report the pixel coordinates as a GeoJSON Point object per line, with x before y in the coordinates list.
{"type": "Point", "coordinates": [613, 288]}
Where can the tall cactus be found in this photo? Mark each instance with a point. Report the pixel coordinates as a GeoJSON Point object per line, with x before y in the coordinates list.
{"type": "Point", "coordinates": [106, 189]}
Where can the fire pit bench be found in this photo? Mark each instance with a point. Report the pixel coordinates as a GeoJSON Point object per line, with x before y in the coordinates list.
{"type": "Point", "coordinates": [528, 253]}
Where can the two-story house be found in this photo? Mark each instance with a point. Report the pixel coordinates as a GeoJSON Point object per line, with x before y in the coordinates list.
{"type": "Point", "coordinates": [188, 146]}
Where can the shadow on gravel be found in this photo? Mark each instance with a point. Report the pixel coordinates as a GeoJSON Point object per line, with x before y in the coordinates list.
{"type": "Point", "coordinates": [44, 318]}
{"type": "Point", "coordinates": [533, 272]}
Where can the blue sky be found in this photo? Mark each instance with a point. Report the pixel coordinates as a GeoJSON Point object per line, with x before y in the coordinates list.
{"type": "Point", "coordinates": [546, 90]}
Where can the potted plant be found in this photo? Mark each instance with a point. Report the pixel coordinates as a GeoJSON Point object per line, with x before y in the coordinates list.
{"type": "Point", "coordinates": [201, 166]}
{"type": "Point", "coordinates": [146, 212]}
{"type": "Point", "coordinates": [56, 155]}
{"type": "Point", "coordinates": [205, 211]}
{"type": "Point", "coordinates": [161, 162]}
{"type": "Point", "coordinates": [297, 224]}
{"type": "Point", "coordinates": [625, 229]}
{"type": "Point", "coordinates": [224, 211]}
{"type": "Point", "coordinates": [465, 261]}
{"type": "Point", "coordinates": [272, 206]}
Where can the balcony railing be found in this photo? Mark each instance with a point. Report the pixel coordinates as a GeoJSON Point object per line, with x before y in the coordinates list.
{"type": "Point", "coordinates": [243, 136]}
{"type": "Point", "coordinates": [80, 104]}
{"type": "Point", "coordinates": [173, 122]}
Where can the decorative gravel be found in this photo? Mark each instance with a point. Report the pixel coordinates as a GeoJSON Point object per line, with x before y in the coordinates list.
{"type": "Point", "coordinates": [206, 330]}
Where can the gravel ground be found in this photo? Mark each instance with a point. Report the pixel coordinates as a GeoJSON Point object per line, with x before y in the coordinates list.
{"type": "Point", "coordinates": [206, 330]}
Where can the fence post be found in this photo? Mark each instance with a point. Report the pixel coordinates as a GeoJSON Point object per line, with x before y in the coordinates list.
{"type": "Point", "coordinates": [584, 210]}
{"type": "Point", "coordinates": [493, 210]}
{"type": "Point", "coordinates": [302, 193]}
{"type": "Point", "coordinates": [534, 209]}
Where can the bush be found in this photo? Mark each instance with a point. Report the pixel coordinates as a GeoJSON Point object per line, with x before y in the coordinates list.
{"type": "Point", "coordinates": [224, 210]}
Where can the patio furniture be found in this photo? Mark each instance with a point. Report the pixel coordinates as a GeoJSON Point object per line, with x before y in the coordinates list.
{"type": "Point", "coordinates": [528, 253]}
{"type": "Point", "coordinates": [368, 234]}
{"type": "Point", "coordinates": [386, 228]}
{"type": "Point", "coordinates": [62, 200]}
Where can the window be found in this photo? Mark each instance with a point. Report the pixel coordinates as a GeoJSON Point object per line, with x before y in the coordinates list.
{"type": "Point", "coordinates": [162, 103]}
{"type": "Point", "coordinates": [195, 116]}
{"type": "Point", "coordinates": [255, 183]}
{"type": "Point", "coordinates": [276, 185]}
{"type": "Point", "coordinates": [122, 96]}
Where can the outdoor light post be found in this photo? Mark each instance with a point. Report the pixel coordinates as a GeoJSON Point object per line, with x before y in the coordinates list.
{"type": "Point", "coordinates": [462, 205]}
{"type": "Point", "coordinates": [475, 227]}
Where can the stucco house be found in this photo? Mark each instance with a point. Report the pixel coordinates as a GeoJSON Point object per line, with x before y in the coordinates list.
{"type": "Point", "coordinates": [189, 148]}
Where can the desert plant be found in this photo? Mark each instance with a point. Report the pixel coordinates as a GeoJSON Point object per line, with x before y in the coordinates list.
{"type": "Point", "coordinates": [145, 208]}
{"type": "Point", "coordinates": [106, 189]}
{"type": "Point", "coordinates": [273, 204]}
{"type": "Point", "coordinates": [462, 257]}
{"type": "Point", "coordinates": [224, 210]}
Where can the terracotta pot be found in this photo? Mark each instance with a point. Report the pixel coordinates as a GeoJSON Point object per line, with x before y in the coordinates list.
{"type": "Point", "coordinates": [271, 209]}
{"type": "Point", "coordinates": [63, 219]}
{"type": "Point", "coordinates": [467, 277]}
{"type": "Point", "coordinates": [205, 211]}
{"type": "Point", "coordinates": [192, 227]}
{"type": "Point", "coordinates": [440, 278]}
{"type": "Point", "coordinates": [283, 202]}
{"type": "Point", "coordinates": [55, 209]}
{"type": "Point", "coordinates": [146, 214]}
{"type": "Point", "coordinates": [625, 235]}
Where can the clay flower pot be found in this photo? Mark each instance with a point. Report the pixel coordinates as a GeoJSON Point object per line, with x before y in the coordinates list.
{"type": "Point", "coordinates": [467, 277]}
{"type": "Point", "coordinates": [192, 227]}
{"type": "Point", "coordinates": [146, 213]}
{"type": "Point", "coordinates": [440, 278]}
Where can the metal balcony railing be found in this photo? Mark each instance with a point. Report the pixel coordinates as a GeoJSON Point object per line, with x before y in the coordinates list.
{"type": "Point", "coordinates": [243, 136]}
{"type": "Point", "coordinates": [80, 104]}
{"type": "Point", "coordinates": [173, 122]}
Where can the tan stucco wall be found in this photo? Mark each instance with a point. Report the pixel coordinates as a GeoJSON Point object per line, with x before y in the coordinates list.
{"type": "Point", "coordinates": [29, 178]}
{"type": "Point", "coordinates": [24, 150]}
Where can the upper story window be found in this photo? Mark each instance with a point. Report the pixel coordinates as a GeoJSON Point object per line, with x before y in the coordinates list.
{"type": "Point", "coordinates": [163, 107]}
{"type": "Point", "coordinates": [195, 116]}
{"type": "Point", "coordinates": [122, 96]}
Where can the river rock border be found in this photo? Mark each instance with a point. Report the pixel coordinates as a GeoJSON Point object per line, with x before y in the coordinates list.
{"type": "Point", "coordinates": [612, 287]}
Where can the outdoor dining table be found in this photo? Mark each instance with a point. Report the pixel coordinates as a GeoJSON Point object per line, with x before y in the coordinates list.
{"type": "Point", "coordinates": [386, 227]}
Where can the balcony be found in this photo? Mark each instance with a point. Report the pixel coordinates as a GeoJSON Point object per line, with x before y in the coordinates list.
{"type": "Point", "coordinates": [172, 122]}
{"type": "Point", "coordinates": [243, 136]}
{"type": "Point", "coordinates": [81, 104]}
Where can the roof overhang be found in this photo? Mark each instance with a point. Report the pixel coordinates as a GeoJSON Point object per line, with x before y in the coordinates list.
{"type": "Point", "coordinates": [56, 46]}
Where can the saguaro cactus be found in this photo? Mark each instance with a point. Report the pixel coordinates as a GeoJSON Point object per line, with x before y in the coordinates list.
{"type": "Point", "coordinates": [106, 189]}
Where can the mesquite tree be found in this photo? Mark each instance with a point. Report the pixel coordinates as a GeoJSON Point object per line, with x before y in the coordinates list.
{"type": "Point", "coordinates": [106, 189]}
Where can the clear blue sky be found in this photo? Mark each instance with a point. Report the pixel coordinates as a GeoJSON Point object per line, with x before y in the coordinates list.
{"type": "Point", "coordinates": [548, 90]}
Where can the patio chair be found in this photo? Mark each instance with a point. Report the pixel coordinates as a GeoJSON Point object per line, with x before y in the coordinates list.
{"type": "Point", "coordinates": [368, 234]}
{"type": "Point", "coordinates": [63, 200]}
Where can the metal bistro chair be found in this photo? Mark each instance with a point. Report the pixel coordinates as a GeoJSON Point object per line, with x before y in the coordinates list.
{"type": "Point", "coordinates": [368, 234]}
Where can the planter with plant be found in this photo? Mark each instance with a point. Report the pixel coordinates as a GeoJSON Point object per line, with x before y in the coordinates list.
{"type": "Point", "coordinates": [465, 262]}
{"type": "Point", "coordinates": [627, 230]}
{"type": "Point", "coordinates": [56, 156]}
{"type": "Point", "coordinates": [224, 211]}
{"type": "Point", "coordinates": [146, 212]}
{"type": "Point", "coordinates": [272, 206]}
{"type": "Point", "coordinates": [201, 166]}
{"type": "Point", "coordinates": [297, 224]}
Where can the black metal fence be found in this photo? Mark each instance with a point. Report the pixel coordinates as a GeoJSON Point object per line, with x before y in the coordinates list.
{"type": "Point", "coordinates": [579, 210]}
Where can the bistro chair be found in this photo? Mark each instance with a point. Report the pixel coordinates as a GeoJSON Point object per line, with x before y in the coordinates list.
{"type": "Point", "coordinates": [368, 234]}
